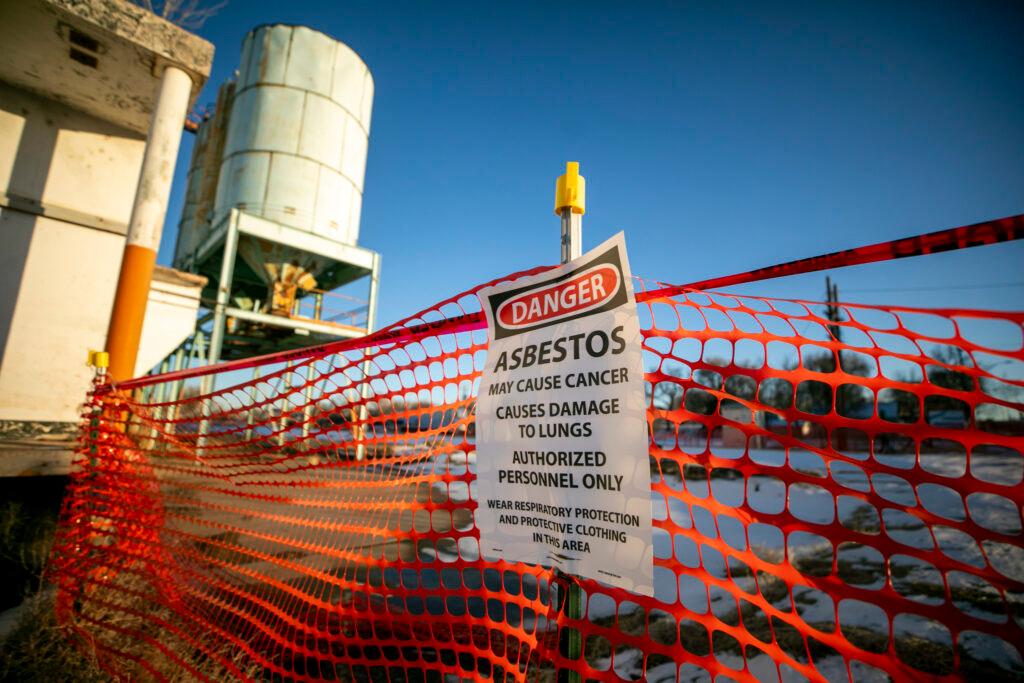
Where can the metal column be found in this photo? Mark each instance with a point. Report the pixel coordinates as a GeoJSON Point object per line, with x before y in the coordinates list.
{"type": "Point", "coordinates": [147, 222]}
{"type": "Point", "coordinates": [570, 204]}
{"type": "Point", "coordinates": [371, 304]}
{"type": "Point", "coordinates": [227, 270]}
{"type": "Point", "coordinates": [572, 235]}
{"type": "Point", "coordinates": [371, 321]}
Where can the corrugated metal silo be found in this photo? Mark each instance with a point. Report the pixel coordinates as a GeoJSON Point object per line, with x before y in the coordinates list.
{"type": "Point", "coordinates": [275, 194]}
{"type": "Point", "coordinates": [187, 229]}
{"type": "Point", "coordinates": [297, 140]}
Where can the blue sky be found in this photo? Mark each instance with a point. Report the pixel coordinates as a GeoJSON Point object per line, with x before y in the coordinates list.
{"type": "Point", "coordinates": [719, 136]}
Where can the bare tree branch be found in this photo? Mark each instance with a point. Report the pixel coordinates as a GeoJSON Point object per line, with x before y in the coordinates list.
{"type": "Point", "coordinates": [189, 14]}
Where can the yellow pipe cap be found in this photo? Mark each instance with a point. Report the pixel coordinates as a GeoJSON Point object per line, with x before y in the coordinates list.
{"type": "Point", "coordinates": [98, 359]}
{"type": "Point", "coordinates": [571, 190]}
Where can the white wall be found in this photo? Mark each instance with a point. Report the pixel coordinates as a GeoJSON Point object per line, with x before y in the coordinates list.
{"type": "Point", "coordinates": [67, 182]}
{"type": "Point", "coordinates": [170, 316]}
{"type": "Point", "coordinates": [73, 165]}
{"type": "Point", "coordinates": [62, 301]}
{"type": "Point", "coordinates": [62, 306]}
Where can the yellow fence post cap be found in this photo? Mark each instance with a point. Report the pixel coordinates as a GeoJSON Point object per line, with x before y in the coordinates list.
{"type": "Point", "coordinates": [98, 359]}
{"type": "Point", "coordinates": [571, 190]}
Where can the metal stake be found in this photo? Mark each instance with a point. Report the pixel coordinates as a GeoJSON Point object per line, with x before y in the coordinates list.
{"type": "Point", "coordinates": [364, 391]}
{"type": "Point", "coordinates": [570, 204]}
{"type": "Point", "coordinates": [572, 235]}
{"type": "Point", "coordinates": [227, 270]}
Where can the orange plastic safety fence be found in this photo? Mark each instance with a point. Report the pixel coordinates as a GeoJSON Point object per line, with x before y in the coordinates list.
{"type": "Point", "coordinates": [836, 495]}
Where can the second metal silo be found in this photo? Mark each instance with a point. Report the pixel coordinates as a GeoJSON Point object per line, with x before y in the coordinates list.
{"type": "Point", "coordinates": [203, 173]}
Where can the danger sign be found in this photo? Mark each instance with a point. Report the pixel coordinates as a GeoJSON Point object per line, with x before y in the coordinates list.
{"type": "Point", "coordinates": [585, 292]}
{"type": "Point", "coordinates": [562, 469]}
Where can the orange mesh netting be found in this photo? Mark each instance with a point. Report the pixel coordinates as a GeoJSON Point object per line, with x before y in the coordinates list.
{"type": "Point", "coordinates": [836, 493]}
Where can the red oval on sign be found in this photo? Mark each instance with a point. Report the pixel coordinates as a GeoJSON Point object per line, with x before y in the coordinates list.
{"type": "Point", "coordinates": [583, 292]}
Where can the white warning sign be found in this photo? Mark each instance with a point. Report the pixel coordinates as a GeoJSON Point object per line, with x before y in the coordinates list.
{"type": "Point", "coordinates": [563, 478]}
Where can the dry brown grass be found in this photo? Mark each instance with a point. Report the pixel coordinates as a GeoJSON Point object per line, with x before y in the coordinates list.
{"type": "Point", "coordinates": [38, 649]}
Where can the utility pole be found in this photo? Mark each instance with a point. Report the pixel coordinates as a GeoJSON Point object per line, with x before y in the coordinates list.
{"type": "Point", "coordinates": [832, 312]}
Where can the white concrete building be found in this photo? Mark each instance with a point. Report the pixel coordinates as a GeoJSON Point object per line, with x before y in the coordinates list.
{"type": "Point", "coordinates": [78, 84]}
